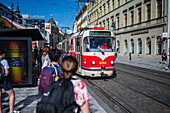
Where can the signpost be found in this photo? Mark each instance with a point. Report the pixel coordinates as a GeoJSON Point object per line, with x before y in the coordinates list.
{"type": "Point", "coordinates": [114, 29]}
{"type": "Point", "coordinates": [168, 25]}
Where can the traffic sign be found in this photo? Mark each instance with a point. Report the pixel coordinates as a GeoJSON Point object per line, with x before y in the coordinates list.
{"type": "Point", "coordinates": [165, 34]}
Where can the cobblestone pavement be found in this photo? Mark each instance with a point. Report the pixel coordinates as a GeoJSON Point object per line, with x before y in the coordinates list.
{"type": "Point", "coordinates": [26, 100]}
{"type": "Point", "coordinates": [151, 63]}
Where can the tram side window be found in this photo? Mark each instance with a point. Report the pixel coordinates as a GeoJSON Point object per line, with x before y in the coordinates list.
{"type": "Point", "coordinates": [71, 46]}
{"type": "Point", "coordinates": [77, 49]}
{"type": "Point", "coordinates": [86, 47]}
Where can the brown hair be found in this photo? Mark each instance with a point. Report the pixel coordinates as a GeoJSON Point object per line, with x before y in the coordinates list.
{"type": "Point", "coordinates": [69, 66]}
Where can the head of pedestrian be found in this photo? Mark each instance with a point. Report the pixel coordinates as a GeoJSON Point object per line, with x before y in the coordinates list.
{"type": "Point", "coordinates": [69, 66]}
{"type": "Point", "coordinates": [46, 50]}
{"type": "Point", "coordinates": [2, 53]}
{"type": "Point", "coordinates": [55, 58]}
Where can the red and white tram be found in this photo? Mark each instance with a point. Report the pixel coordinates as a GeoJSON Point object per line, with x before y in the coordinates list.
{"type": "Point", "coordinates": [94, 50]}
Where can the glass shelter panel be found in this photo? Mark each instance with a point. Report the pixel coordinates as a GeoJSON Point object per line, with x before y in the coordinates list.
{"type": "Point", "coordinates": [17, 56]}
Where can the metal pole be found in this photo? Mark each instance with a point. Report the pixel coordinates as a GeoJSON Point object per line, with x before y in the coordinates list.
{"type": "Point", "coordinates": [163, 22]}
{"type": "Point", "coordinates": [168, 25]}
{"type": "Point", "coordinates": [115, 39]}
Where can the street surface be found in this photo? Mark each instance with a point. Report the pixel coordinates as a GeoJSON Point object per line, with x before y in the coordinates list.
{"type": "Point", "coordinates": [134, 90]}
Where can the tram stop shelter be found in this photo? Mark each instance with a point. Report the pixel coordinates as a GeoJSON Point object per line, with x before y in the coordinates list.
{"type": "Point", "coordinates": [18, 46]}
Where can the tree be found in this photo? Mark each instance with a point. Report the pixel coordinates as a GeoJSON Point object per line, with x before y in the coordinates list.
{"type": "Point", "coordinates": [3, 25]}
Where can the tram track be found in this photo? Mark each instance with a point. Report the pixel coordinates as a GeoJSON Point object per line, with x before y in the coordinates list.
{"type": "Point", "coordinates": [126, 107]}
{"type": "Point", "coordinates": [148, 95]}
{"type": "Point", "coordinates": [114, 101]}
{"type": "Point", "coordinates": [132, 71]}
{"type": "Point", "coordinates": [142, 93]}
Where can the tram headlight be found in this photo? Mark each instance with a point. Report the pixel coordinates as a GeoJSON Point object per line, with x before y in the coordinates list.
{"type": "Point", "coordinates": [111, 62]}
{"type": "Point", "coordinates": [93, 62]}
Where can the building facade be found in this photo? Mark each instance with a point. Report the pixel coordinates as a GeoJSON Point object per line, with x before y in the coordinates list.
{"type": "Point", "coordinates": [81, 19]}
{"type": "Point", "coordinates": [31, 22]}
{"type": "Point", "coordinates": [13, 19]}
{"type": "Point", "coordinates": [138, 25]}
{"type": "Point", "coordinates": [54, 33]}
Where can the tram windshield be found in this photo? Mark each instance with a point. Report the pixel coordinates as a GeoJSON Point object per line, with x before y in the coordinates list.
{"type": "Point", "coordinates": [96, 44]}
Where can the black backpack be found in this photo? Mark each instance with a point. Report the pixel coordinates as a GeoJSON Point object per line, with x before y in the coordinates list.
{"type": "Point", "coordinates": [2, 70]}
{"type": "Point", "coordinates": [57, 98]}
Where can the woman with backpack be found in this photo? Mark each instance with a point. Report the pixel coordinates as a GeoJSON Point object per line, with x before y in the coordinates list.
{"type": "Point", "coordinates": [69, 66]}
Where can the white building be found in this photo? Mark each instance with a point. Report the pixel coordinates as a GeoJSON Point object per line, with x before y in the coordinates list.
{"type": "Point", "coordinates": [81, 19]}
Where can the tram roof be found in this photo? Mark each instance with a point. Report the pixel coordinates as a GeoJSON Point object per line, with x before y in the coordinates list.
{"type": "Point", "coordinates": [35, 34]}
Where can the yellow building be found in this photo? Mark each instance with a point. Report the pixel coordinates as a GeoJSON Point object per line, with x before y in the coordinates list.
{"type": "Point", "coordinates": [139, 25]}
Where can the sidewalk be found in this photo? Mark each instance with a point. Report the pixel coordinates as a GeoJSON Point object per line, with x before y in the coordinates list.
{"type": "Point", "coordinates": [148, 63]}
{"type": "Point", "coordinates": [26, 99]}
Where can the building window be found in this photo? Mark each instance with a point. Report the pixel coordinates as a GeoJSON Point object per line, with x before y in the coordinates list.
{"type": "Point", "coordinates": [159, 8]}
{"type": "Point", "coordinates": [118, 47]}
{"type": "Point", "coordinates": [132, 18]}
{"type": "Point", "coordinates": [118, 22]}
{"type": "Point", "coordinates": [108, 24]}
{"type": "Point", "coordinates": [148, 12]}
{"type": "Point", "coordinates": [113, 23]}
{"type": "Point", "coordinates": [100, 23]}
{"type": "Point", "coordinates": [118, 3]}
{"type": "Point", "coordinates": [126, 46]}
{"type": "Point", "coordinates": [125, 1]}
{"type": "Point", "coordinates": [159, 45]}
{"type": "Point", "coordinates": [104, 24]}
{"type": "Point", "coordinates": [125, 20]}
{"type": "Point", "coordinates": [113, 3]}
{"type": "Point", "coordinates": [139, 46]}
{"type": "Point", "coordinates": [104, 8]}
{"type": "Point", "coordinates": [148, 50]}
{"type": "Point", "coordinates": [108, 4]}
{"type": "Point", "coordinates": [132, 45]}
{"type": "Point", "coordinates": [139, 15]}
{"type": "Point", "coordinates": [100, 11]}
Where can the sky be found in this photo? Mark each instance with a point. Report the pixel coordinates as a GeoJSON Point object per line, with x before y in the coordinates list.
{"type": "Point", "coordinates": [63, 11]}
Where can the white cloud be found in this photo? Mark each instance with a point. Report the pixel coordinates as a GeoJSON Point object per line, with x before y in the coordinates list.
{"type": "Point", "coordinates": [56, 22]}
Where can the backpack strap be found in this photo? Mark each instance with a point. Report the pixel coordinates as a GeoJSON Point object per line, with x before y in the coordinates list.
{"type": "Point", "coordinates": [52, 65]}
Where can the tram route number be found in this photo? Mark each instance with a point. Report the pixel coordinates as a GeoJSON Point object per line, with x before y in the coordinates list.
{"type": "Point", "coordinates": [102, 62]}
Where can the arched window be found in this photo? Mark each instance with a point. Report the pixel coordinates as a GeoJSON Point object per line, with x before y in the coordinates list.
{"type": "Point", "coordinates": [126, 46]}
{"type": "Point", "coordinates": [159, 45]}
{"type": "Point", "coordinates": [139, 46]}
{"type": "Point", "coordinates": [118, 47]}
{"type": "Point", "coordinates": [148, 50]}
{"type": "Point", "coordinates": [132, 45]}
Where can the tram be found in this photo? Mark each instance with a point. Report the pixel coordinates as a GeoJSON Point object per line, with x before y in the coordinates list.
{"type": "Point", "coordinates": [93, 48]}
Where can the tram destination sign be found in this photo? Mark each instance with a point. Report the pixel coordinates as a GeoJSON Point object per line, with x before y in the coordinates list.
{"type": "Point", "coordinates": [105, 33]}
